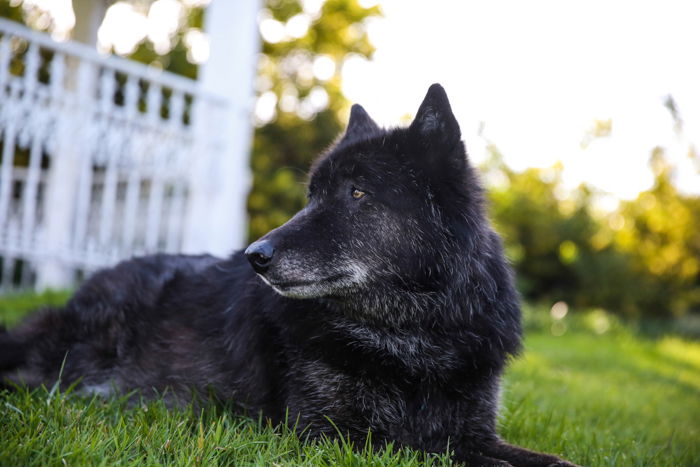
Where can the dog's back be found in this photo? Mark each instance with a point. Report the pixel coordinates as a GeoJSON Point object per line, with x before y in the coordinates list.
{"type": "Point", "coordinates": [151, 323]}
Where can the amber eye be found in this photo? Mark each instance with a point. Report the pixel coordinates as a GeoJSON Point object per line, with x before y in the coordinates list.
{"type": "Point", "coordinates": [357, 194]}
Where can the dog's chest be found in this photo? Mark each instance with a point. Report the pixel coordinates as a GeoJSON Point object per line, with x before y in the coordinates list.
{"type": "Point", "coordinates": [404, 412]}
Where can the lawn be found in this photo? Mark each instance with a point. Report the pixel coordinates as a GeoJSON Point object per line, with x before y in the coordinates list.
{"type": "Point", "coordinates": [587, 387]}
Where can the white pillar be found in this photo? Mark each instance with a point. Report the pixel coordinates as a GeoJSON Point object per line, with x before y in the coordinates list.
{"type": "Point", "coordinates": [217, 220]}
{"type": "Point", "coordinates": [88, 17]}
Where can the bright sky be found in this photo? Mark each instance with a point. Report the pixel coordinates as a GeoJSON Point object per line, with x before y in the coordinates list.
{"type": "Point", "coordinates": [534, 76]}
{"type": "Point", "coordinates": [539, 73]}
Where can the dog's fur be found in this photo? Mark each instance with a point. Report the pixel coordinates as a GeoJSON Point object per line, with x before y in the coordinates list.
{"type": "Point", "coordinates": [386, 305]}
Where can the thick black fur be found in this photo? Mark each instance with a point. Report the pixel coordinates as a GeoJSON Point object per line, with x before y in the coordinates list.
{"type": "Point", "coordinates": [385, 305]}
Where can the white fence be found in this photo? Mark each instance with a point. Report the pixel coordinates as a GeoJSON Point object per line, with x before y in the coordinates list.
{"type": "Point", "coordinates": [97, 158]}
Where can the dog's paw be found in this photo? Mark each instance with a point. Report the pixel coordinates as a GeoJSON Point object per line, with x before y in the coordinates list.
{"type": "Point", "coordinates": [497, 463]}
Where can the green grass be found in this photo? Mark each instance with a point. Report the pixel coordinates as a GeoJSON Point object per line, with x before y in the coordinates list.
{"type": "Point", "coordinates": [598, 394]}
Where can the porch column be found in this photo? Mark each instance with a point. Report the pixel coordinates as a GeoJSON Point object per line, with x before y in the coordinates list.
{"type": "Point", "coordinates": [88, 18]}
{"type": "Point", "coordinates": [217, 220]}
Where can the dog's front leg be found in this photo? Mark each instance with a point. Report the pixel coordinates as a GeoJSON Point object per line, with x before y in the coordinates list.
{"type": "Point", "coordinates": [473, 459]}
{"type": "Point", "coordinates": [521, 457]}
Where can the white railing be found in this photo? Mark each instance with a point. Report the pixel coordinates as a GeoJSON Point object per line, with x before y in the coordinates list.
{"type": "Point", "coordinates": [97, 158]}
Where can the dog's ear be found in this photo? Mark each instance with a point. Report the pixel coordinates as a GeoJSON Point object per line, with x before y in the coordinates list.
{"type": "Point", "coordinates": [435, 124]}
{"type": "Point", "coordinates": [360, 125]}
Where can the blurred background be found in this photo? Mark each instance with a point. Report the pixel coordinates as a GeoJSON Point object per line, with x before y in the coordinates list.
{"type": "Point", "coordinates": [135, 126]}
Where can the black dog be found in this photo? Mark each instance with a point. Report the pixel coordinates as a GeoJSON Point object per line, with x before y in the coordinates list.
{"type": "Point", "coordinates": [385, 305]}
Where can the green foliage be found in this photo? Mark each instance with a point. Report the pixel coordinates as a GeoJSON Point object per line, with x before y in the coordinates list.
{"type": "Point", "coordinates": [641, 259]}
{"type": "Point", "coordinates": [545, 237]}
{"type": "Point", "coordinates": [14, 306]}
{"type": "Point", "coordinates": [282, 153]}
{"type": "Point", "coordinates": [10, 11]}
{"type": "Point", "coordinates": [176, 60]}
{"type": "Point", "coordinates": [284, 147]}
{"type": "Point", "coordinates": [660, 231]}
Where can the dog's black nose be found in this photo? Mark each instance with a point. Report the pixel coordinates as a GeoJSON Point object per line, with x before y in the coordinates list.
{"type": "Point", "coordinates": [260, 255]}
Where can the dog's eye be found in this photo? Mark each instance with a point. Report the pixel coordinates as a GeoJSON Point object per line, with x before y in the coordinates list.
{"type": "Point", "coordinates": [357, 194]}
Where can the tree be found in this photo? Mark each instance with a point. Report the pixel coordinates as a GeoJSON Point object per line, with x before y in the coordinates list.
{"type": "Point", "coordinates": [299, 74]}
{"type": "Point", "coordinates": [659, 229]}
{"type": "Point", "coordinates": [641, 259]}
{"type": "Point", "coordinates": [546, 235]}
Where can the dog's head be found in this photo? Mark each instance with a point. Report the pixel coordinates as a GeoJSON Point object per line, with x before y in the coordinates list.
{"type": "Point", "coordinates": [385, 206]}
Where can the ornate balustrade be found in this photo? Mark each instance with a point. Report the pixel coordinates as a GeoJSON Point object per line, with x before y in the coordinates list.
{"type": "Point", "coordinates": [100, 158]}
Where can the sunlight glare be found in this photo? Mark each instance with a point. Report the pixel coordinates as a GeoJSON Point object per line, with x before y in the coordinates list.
{"type": "Point", "coordinates": [196, 3]}
{"type": "Point", "coordinates": [164, 18]}
{"type": "Point", "coordinates": [265, 108]}
{"type": "Point", "coordinates": [312, 7]}
{"type": "Point", "coordinates": [113, 33]}
{"type": "Point", "coordinates": [318, 98]}
{"type": "Point", "coordinates": [289, 102]}
{"type": "Point", "coordinates": [270, 29]}
{"type": "Point", "coordinates": [61, 14]}
{"type": "Point", "coordinates": [559, 310]}
{"type": "Point", "coordinates": [198, 46]}
{"type": "Point", "coordinates": [298, 25]}
{"type": "Point", "coordinates": [324, 67]}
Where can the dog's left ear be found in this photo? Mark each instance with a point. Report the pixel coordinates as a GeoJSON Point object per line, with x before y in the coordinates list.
{"type": "Point", "coordinates": [435, 124]}
{"type": "Point", "coordinates": [360, 125]}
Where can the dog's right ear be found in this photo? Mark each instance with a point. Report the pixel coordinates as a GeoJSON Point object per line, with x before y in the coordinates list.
{"type": "Point", "coordinates": [360, 125]}
{"type": "Point", "coordinates": [435, 124]}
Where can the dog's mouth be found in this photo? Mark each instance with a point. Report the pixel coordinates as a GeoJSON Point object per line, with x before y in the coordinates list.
{"type": "Point", "coordinates": [311, 288]}
{"type": "Point", "coordinates": [290, 284]}
{"type": "Point", "coordinates": [309, 283]}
